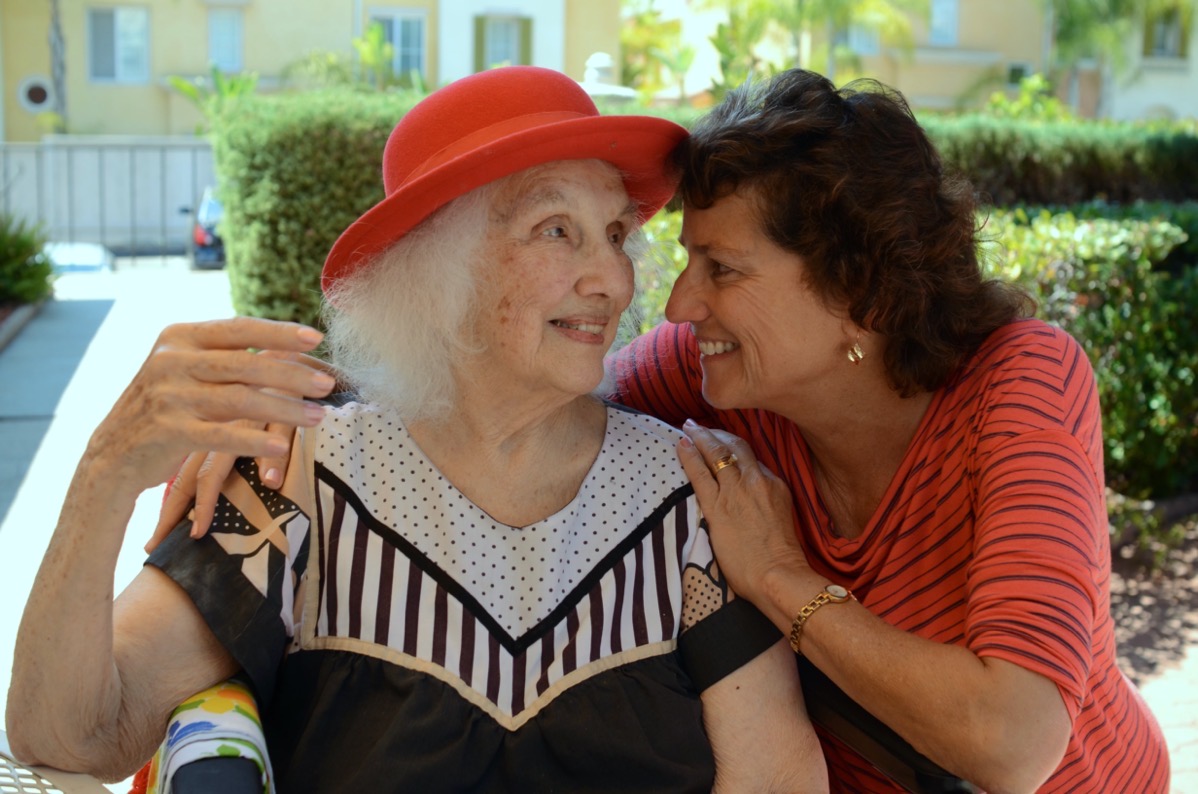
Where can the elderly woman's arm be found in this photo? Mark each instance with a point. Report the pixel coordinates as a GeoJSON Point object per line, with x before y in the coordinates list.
{"type": "Point", "coordinates": [93, 680]}
{"type": "Point", "coordinates": [759, 730]}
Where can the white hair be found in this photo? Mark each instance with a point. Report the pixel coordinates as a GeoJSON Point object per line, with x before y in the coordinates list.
{"type": "Point", "coordinates": [395, 325]}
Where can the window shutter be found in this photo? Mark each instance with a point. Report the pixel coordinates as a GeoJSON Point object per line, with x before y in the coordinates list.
{"type": "Point", "coordinates": [526, 40]}
{"type": "Point", "coordinates": [1149, 35]}
{"type": "Point", "coordinates": [480, 43]}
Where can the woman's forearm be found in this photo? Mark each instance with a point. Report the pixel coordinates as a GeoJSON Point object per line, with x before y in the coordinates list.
{"type": "Point", "coordinates": [65, 699]}
{"type": "Point", "coordinates": [988, 721]}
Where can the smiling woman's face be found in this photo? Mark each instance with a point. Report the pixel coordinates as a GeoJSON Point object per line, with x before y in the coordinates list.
{"type": "Point", "coordinates": [764, 335]}
{"type": "Point", "coordinates": [556, 278]}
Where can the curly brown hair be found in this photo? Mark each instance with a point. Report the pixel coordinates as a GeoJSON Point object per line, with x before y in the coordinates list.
{"type": "Point", "coordinates": [848, 180]}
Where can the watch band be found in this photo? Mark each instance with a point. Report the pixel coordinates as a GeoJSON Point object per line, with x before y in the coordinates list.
{"type": "Point", "coordinates": [831, 594]}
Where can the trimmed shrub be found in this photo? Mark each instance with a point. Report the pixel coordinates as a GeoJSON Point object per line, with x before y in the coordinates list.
{"type": "Point", "coordinates": [1011, 161]}
{"type": "Point", "coordinates": [293, 172]}
{"type": "Point", "coordinates": [25, 271]}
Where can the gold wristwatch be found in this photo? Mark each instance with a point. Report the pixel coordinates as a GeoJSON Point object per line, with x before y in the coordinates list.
{"type": "Point", "coordinates": [831, 594]}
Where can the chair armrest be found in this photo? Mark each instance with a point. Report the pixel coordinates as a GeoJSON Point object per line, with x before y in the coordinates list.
{"type": "Point", "coordinates": [15, 776]}
{"type": "Point", "coordinates": [841, 716]}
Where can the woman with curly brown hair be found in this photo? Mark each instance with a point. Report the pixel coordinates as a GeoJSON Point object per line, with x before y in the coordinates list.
{"type": "Point", "coordinates": [917, 500]}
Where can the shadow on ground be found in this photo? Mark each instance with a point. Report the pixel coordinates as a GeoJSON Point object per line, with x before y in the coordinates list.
{"type": "Point", "coordinates": [1155, 605]}
{"type": "Point", "coordinates": [35, 368]}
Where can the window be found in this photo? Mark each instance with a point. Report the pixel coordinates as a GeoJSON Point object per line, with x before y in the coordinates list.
{"type": "Point", "coordinates": [119, 45]}
{"type": "Point", "coordinates": [942, 28]}
{"type": "Point", "coordinates": [1166, 33]}
{"type": "Point", "coordinates": [404, 31]}
{"type": "Point", "coordinates": [501, 41]}
{"type": "Point", "coordinates": [224, 39]}
{"type": "Point", "coordinates": [863, 40]}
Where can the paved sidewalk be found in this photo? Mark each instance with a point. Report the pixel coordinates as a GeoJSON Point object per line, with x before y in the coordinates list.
{"type": "Point", "coordinates": [58, 378]}
{"type": "Point", "coordinates": [65, 369]}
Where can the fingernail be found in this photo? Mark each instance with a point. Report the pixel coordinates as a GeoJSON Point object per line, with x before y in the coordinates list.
{"type": "Point", "coordinates": [686, 442]}
{"type": "Point", "coordinates": [276, 447]}
{"type": "Point", "coordinates": [313, 412]}
{"type": "Point", "coordinates": [323, 382]}
{"type": "Point", "coordinates": [690, 423]}
{"type": "Point", "coordinates": [271, 477]}
{"type": "Point", "coordinates": [310, 336]}
{"type": "Point", "coordinates": [195, 533]}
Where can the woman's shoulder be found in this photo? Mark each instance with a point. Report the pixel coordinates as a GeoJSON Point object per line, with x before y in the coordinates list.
{"type": "Point", "coordinates": [1028, 337]}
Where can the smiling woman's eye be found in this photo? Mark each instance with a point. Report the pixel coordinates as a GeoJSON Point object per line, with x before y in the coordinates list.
{"type": "Point", "coordinates": [719, 268]}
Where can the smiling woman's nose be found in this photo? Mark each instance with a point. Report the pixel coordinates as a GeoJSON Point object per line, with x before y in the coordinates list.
{"type": "Point", "coordinates": [684, 305]}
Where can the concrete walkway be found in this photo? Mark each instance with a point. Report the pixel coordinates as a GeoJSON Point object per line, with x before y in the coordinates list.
{"type": "Point", "coordinates": [58, 378]}
{"type": "Point", "coordinates": [64, 370]}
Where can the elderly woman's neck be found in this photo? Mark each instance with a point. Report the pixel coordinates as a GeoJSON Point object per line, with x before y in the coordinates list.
{"type": "Point", "coordinates": [518, 466]}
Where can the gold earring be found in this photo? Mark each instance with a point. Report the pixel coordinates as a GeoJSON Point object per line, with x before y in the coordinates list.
{"type": "Point", "coordinates": [856, 354]}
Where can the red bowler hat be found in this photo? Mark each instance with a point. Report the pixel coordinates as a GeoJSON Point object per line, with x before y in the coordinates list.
{"type": "Point", "coordinates": [492, 124]}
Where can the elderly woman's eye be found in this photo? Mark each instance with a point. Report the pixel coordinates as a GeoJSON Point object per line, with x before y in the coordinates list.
{"type": "Point", "coordinates": [555, 231]}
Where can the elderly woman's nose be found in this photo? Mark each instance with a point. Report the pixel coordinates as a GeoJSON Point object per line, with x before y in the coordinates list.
{"type": "Point", "coordinates": [608, 271]}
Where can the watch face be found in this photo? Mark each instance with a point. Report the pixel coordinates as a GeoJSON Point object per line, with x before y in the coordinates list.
{"type": "Point", "coordinates": [836, 591]}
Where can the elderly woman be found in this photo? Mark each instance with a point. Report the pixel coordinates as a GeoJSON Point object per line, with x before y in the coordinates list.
{"type": "Point", "coordinates": [912, 484]}
{"type": "Point", "coordinates": [475, 577]}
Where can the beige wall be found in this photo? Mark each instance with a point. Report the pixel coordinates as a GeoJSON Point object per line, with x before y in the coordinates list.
{"type": "Point", "coordinates": [991, 38]}
{"type": "Point", "coordinates": [25, 53]}
{"type": "Point", "coordinates": [591, 26]}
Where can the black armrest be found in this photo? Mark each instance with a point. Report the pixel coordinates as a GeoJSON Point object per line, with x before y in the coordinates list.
{"type": "Point", "coordinates": [227, 775]}
{"type": "Point", "coordinates": [838, 714]}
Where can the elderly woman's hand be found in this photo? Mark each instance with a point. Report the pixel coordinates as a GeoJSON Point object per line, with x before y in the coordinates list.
{"type": "Point", "coordinates": [749, 510]}
{"type": "Point", "coordinates": [195, 385]}
{"type": "Point", "coordinates": [202, 473]}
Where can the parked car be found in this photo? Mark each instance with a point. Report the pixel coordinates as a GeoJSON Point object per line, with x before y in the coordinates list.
{"type": "Point", "coordinates": [208, 250]}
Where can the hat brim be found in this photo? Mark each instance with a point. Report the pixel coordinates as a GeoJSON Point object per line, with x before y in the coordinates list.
{"type": "Point", "coordinates": [637, 145]}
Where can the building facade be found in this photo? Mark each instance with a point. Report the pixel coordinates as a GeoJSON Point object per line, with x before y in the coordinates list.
{"type": "Point", "coordinates": [1162, 79]}
{"type": "Point", "coordinates": [118, 58]}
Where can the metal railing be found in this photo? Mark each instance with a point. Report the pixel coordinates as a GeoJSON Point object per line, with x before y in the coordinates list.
{"type": "Point", "coordinates": [133, 195]}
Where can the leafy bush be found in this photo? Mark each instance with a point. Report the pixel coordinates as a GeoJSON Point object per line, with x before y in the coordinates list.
{"type": "Point", "coordinates": [1101, 280]}
{"type": "Point", "coordinates": [25, 270]}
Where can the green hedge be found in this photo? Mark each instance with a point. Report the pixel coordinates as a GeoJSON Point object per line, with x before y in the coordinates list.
{"type": "Point", "coordinates": [293, 172]}
{"type": "Point", "coordinates": [1011, 161]}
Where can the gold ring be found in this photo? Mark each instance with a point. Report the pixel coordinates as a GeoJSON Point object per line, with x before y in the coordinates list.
{"type": "Point", "coordinates": [724, 463]}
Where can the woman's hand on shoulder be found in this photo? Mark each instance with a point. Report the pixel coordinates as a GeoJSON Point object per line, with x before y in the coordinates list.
{"type": "Point", "coordinates": [198, 381]}
{"type": "Point", "coordinates": [749, 510]}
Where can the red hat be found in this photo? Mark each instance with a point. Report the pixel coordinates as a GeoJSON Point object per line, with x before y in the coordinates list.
{"type": "Point", "coordinates": [492, 124]}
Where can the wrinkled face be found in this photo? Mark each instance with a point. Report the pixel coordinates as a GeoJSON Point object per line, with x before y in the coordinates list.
{"type": "Point", "coordinates": [556, 279]}
{"type": "Point", "coordinates": [764, 336]}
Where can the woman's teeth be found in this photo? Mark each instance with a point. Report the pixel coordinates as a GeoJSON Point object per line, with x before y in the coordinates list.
{"type": "Point", "coordinates": [585, 327]}
{"type": "Point", "coordinates": [715, 348]}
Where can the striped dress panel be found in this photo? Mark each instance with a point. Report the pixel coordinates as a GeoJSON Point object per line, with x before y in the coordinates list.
{"type": "Point", "coordinates": [377, 589]}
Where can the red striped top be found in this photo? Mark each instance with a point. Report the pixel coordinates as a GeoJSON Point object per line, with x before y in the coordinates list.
{"type": "Point", "coordinates": [992, 535]}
